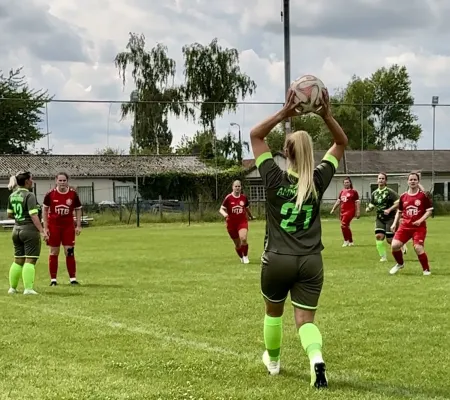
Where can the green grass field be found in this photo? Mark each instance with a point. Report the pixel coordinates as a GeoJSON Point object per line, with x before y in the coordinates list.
{"type": "Point", "coordinates": [167, 312]}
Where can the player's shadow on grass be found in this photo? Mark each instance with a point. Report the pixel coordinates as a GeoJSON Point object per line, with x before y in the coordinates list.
{"type": "Point", "coordinates": [356, 384]}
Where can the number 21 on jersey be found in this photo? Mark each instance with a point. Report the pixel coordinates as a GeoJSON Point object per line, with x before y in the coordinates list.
{"type": "Point", "coordinates": [292, 213]}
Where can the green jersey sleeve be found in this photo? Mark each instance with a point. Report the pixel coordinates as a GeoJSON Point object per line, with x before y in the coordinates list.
{"type": "Point", "coordinates": [31, 204]}
{"type": "Point", "coordinates": [324, 173]}
{"type": "Point", "coordinates": [271, 173]}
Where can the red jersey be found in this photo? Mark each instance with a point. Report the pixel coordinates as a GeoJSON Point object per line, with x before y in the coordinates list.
{"type": "Point", "coordinates": [348, 198]}
{"type": "Point", "coordinates": [61, 206]}
{"type": "Point", "coordinates": [235, 207]}
{"type": "Point", "coordinates": [414, 207]}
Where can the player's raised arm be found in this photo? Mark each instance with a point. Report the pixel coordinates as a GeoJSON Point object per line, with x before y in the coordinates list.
{"type": "Point", "coordinates": [339, 136]}
{"type": "Point", "coordinates": [261, 130]}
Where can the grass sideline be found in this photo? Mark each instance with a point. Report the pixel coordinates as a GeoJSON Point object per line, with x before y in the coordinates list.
{"type": "Point", "coordinates": [166, 312]}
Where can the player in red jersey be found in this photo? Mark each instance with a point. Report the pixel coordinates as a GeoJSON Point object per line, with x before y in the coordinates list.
{"type": "Point", "coordinates": [59, 206]}
{"type": "Point", "coordinates": [414, 208]}
{"type": "Point", "coordinates": [235, 209]}
{"type": "Point", "coordinates": [350, 207]}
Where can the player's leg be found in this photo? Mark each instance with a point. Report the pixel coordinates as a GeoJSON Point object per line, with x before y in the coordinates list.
{"type": "Point", "coordinates": [32, 242]}
{"type": "Point", "coordinates": [380, 232]}
{"type": "Point", "coordinates": [419, 236]}
{"type": "Point", "coordinates": [234, 235]}
{"type": "Point", "coordinates": [54, 242]}
{"type": "Point", "coordinates": [15, 271]}
{"type": "Point", "coordinates": [401, 236]}
{"type": "Point", "coordinates": [277, 273]}
{"type": "Point", "coordinates": [305, 294]}
{"type": "Point", "coordinates": [344, 230]}
{"type": "Point", "coordinates": [68, 242]}
{"type": "Point", "coordinates": [243, 233]}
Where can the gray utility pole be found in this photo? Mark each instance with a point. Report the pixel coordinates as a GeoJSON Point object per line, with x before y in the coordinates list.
{"type": "Point", "coordinates": [285, 18]}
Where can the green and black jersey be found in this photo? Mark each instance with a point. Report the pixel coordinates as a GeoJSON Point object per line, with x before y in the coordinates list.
{"type": "Point", "coordinates": [289, 230]}
{"type": "Point", "coordinates": [23, 204]}
{"type": "Point", "coordinates": [382, 199]}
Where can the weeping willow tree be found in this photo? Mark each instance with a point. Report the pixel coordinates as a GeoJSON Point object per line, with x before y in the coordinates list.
{"type": "Point", "coordinates": [213, 75]}
{"type": "Point", "coordinates": [153, 73]}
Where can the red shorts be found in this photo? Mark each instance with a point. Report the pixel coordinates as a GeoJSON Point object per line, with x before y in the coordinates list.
{"type": "Point", "coordinates": [233, 228]}
{"type": "Point", "coordinates": [61, 235]}
{"type": "Point", "coordinates": [417, 234]}
{"type": "Point", "coordinates": [347, 217]}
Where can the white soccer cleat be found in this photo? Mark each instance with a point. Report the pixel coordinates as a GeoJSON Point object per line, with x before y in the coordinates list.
{"type": "Point", "coordinates": [345, 244]}
{"type": "Point", "coordinates": [404, 249]}
{"type": "Point", "coordinates": [273, 367]}
{"type": "Point", "coordinates": [245, 260]}
{"type": "Point", "coordinates": [383, 259]}
{"type": "Point", "coordinates": [12, 291]}
{"type": "Point", "coordinates": [351, 244]}
{"type": "Point", "coordinates": [29, 291]}
{"type": "Point", "coordinates": [426, 273]}
{"type": "Point", "coordinates": [395, 269]}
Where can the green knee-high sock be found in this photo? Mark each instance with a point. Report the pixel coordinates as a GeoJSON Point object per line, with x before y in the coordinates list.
{"type": "Point", "coordinates": [273, 332]}
{"type": "Point", "coordinates": [28, 272]}
{"type": "Point", "coordinates": [15, 272]}
{"type": "Point", "coordinates": [380, 248]}
{"type": "Point", "coordinates": [311, 339]}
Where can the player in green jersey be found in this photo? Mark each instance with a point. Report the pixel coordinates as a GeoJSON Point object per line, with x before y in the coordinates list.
{"type": "Point", "coordinates": [27, 232]}
{"type": "Point", "coordinates": [292, 260]}
{"type": "Point", "coordinates": [385, 201]}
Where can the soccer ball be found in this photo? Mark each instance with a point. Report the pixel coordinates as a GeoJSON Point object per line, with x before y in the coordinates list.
{"type": "Point", "coordinates": [308, 91]}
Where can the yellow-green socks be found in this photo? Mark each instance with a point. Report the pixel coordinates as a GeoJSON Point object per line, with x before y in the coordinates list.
{"type": "Point", "coordinates": [28, 273]}
{"type": "Point", "coordinates": [311, 339]}
{"type": "Point", "coordinates": [273, 333]}
{"type": "Point", "coordinates": [15, 272]}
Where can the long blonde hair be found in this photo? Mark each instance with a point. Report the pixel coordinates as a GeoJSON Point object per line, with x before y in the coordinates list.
{"type": "Point", "coordinates": [300, 154]}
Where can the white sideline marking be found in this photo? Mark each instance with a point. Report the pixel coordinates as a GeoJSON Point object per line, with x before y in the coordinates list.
{"type": "Point", "coordinates": [150, 331]}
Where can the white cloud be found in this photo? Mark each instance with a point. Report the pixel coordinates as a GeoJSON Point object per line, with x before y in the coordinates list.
{"type": "Point", "coordinates": [326, 41]}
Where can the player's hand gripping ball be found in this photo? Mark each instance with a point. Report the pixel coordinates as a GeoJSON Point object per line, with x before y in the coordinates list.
{"type": "Point", "coordinates": [309, 93]}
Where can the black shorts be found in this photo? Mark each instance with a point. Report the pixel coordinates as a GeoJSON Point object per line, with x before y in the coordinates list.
{"type": "Point", "coordinates": [301, 276]}
{"type": "Point", "coordinates": [384, 226]}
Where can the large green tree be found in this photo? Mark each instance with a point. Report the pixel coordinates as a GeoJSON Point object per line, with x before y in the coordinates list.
{"type": "Point", "coordinates": [153, 73]}
{"type": "Point", "coordinates": [21, 112]}
{"type": "Point", "coordinates": [214, 79]}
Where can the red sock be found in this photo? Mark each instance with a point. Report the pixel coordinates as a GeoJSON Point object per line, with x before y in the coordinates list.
{"type": "Point", "coordinates": [398, 255]}
{"type": "Point", "coordinates": [349, 235]}
{"type": "Point", "coordinates": [423, 258]}
{"type": "Point", "coordinates": [344, 233]}
{"type": "Point", "coordinates": [244, 249]}
{"type": "Point", "coordinates": [239, 252]}
{"type": "Point", "coordinates": [53, 266]}
{"type": "Point", "coordinates": [71, 267]}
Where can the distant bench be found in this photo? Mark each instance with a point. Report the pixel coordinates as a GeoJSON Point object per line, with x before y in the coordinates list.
{"type": "Point", "coordinates": [9, 223]}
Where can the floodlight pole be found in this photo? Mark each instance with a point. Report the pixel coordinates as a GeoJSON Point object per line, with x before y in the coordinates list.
{"type": "Point", "coordinates": [285, 18]}
{"type": "Point", "coordinates": [134, 98]}
{"type": "Point", "coordinates": [434, 103]}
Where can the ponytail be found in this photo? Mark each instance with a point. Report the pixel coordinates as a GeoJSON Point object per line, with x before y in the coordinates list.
{"type": "Point", "coordinates": [300, 153]}
{"type": "Point", "coordinates": [12, 183]}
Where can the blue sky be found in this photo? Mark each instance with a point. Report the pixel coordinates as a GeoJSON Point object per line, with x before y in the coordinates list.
{"type": "Point", "coordinates": [68, 47]}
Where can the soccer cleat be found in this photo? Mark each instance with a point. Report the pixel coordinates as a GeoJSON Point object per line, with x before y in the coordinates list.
{"type": "Point", "coordinates": [395, 269]}
{"type": "Point", "coordinates": [29, 291]}
{"type": "Point", "coordinates": [273, 367]}
{"type": "Point", "coordinates": [404, 249]}
{"type": "Point", "coordinates": [74, 282]}
{"type": "Point", "coordinates": [351, 244]}
{"type": "Point", "coordinates": [319, 375]}
{"type": "Point", "coordinates": [53, 283]}
{"type": "Point", "coordinates": [427, 272]}
{"type": "Point", "coordinates": [383, 259]}
{"type": "Point", "coordinates": [12, 291]}
{"type": "Point", "coordinates": [345, 244]}
{"type": "Point", "coordinates": [245, 260]}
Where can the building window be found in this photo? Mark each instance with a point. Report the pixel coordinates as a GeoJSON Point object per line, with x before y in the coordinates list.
{"type": "Point", "coordinates": [85, 194]}
{"type": "Point", "coordinates": [122, 194]}
{"type": "Point", "coordinates": [257, 193]}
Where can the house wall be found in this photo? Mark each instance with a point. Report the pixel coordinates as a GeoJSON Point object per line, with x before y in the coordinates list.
{"type": "Point", "coordinates": [90, 190]}
{"type": "Point", "coordinates": [361, 183]}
